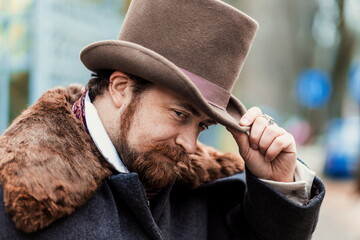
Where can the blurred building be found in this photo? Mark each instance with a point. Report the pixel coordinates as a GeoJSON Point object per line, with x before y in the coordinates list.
{"type": "Point", "coordinates": [40, 41]}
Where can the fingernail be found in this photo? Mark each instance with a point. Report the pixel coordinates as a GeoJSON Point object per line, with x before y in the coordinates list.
{"type": "Point", "coordinates": [244, 121]}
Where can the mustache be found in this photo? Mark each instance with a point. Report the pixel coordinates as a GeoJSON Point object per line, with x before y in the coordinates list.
{"type": "Point", "coordinates": [176, 153]}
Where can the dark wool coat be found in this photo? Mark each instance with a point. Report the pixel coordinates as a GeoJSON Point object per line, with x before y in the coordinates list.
{"type": "Point", "coordinates": [54, 184]}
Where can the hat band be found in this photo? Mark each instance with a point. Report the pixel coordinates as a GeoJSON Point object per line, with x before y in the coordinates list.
{"type": "Point", "coordinates": [214, 94]}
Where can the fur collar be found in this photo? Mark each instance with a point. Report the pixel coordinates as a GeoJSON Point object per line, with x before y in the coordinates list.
{"type": "Point", "coordinates": [49, 165]}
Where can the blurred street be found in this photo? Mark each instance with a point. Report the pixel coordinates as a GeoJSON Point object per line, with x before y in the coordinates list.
{"type": "Point", "coordinates": [340, 211]}
{"type": "Point", "coordinates": [339, 215]}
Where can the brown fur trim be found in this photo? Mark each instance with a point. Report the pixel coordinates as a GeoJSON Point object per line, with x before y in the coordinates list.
{"type": "Point", "coordinates": [209, 164]}
{"type": "Point", "coordinates": [48, 166]}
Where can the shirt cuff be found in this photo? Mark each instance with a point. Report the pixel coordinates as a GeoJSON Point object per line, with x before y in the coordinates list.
{"type": "Point", "coordinates": [298, 191]}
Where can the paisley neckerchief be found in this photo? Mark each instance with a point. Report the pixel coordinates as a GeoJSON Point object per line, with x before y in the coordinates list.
{"type": "Point", "coordinates": [79, 110]}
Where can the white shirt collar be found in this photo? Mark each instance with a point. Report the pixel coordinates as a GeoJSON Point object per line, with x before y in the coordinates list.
{"type": "Point", "coordinates": [101, 138]}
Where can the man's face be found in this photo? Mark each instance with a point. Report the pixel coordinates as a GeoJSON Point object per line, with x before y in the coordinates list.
{"type": "Point", "coordinates": [157, 132]}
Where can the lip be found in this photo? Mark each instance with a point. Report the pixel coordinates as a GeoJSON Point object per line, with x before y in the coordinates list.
{"type": "Point", "coordinates": [168, 159]}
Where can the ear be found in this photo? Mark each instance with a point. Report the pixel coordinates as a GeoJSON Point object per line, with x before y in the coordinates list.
{"type": "Point", "coordinates": [119, 83]}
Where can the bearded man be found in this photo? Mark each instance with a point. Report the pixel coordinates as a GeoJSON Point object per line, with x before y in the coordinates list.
{"type": "Point", "coordinates": [121, 160]}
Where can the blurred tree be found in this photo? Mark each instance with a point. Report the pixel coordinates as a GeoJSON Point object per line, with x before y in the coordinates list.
{"type": "Point", "coordinates": [293, 36]}
{"type": "Point", "coordinates": [340, 70]}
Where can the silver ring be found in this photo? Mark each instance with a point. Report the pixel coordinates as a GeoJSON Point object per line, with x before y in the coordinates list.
{"type": "Point", "coordinates": [270, 120]}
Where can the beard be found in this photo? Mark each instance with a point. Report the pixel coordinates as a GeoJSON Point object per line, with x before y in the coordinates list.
{"type": "Point", "coordinates": [157, 164]}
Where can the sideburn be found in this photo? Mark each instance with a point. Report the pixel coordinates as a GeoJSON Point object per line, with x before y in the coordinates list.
{"type": "Point", "coordinates": [125, 124]}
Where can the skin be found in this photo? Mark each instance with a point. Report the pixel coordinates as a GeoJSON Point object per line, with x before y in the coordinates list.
{"type": "Point", "coordinates": [269, 151]}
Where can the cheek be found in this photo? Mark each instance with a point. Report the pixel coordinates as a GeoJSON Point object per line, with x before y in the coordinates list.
{"type": "Point", "coordinates": [150, 127]}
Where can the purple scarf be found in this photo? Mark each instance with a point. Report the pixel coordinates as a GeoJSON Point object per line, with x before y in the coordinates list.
{"type": "Point", "coordinates": [79, 110]}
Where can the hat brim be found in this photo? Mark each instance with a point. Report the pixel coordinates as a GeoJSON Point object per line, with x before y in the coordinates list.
{"type": "Point", "coordinates": [140, 61]}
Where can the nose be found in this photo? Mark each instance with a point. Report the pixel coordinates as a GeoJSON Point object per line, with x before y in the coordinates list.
{"type": "Point", "coordinates": [187, 141]}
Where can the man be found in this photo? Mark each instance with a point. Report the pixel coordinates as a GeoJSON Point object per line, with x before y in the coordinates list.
{"type": "Point", "coordinates": [123, 161]}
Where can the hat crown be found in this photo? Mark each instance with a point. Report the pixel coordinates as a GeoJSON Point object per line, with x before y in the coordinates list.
{"type": "Point", "coordinates": [205, 37]}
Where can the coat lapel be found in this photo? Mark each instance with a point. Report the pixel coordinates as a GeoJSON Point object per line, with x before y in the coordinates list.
{"type": "Point", "coordinates": [128, 188]}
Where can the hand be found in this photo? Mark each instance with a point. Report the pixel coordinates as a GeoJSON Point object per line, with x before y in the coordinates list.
{"type": "Point", "coordinates": [269, 151]}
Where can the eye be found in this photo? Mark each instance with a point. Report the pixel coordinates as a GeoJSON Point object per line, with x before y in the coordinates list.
{"type": "Point", "coordinates": [180, 114]}
{"type": "Point", "coordinates": [204, 126]}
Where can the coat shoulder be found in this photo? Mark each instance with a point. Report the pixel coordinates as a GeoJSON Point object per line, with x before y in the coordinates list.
{"type": "Point", "coordinates": [48, 164]}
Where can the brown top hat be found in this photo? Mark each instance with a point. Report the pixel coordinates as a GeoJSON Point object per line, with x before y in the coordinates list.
{"type": "Point", "coordinates": [194, 47]}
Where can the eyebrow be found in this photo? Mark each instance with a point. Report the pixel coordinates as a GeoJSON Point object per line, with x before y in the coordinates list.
{"type": "Point", "coordinates": [190, 108]}
{"type": "Point", "coordinates": [195, 112]}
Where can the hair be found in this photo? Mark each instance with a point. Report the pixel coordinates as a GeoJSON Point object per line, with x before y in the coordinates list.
{"type": "Point", "coordinates": [100, 81]}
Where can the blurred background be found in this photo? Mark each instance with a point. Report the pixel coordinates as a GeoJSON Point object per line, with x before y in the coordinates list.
{"type": "Point", "coordinates": [303, 69]}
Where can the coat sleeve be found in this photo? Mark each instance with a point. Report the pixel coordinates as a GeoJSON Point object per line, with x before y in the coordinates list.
{"type": "Point", "coordinates": [267, 214]}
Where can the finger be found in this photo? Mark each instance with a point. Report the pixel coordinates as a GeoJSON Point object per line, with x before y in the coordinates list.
{"type": "Point", "coordinates": [271, 132]}
{"type": "Point", "coordinates": [283, 143]}
{"type": "Point", "coordinates": [242, 141]}
{"type": "Point", "coordinates": [249, 117]}
{"type": "Point", "coordinates": [256, 131]}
